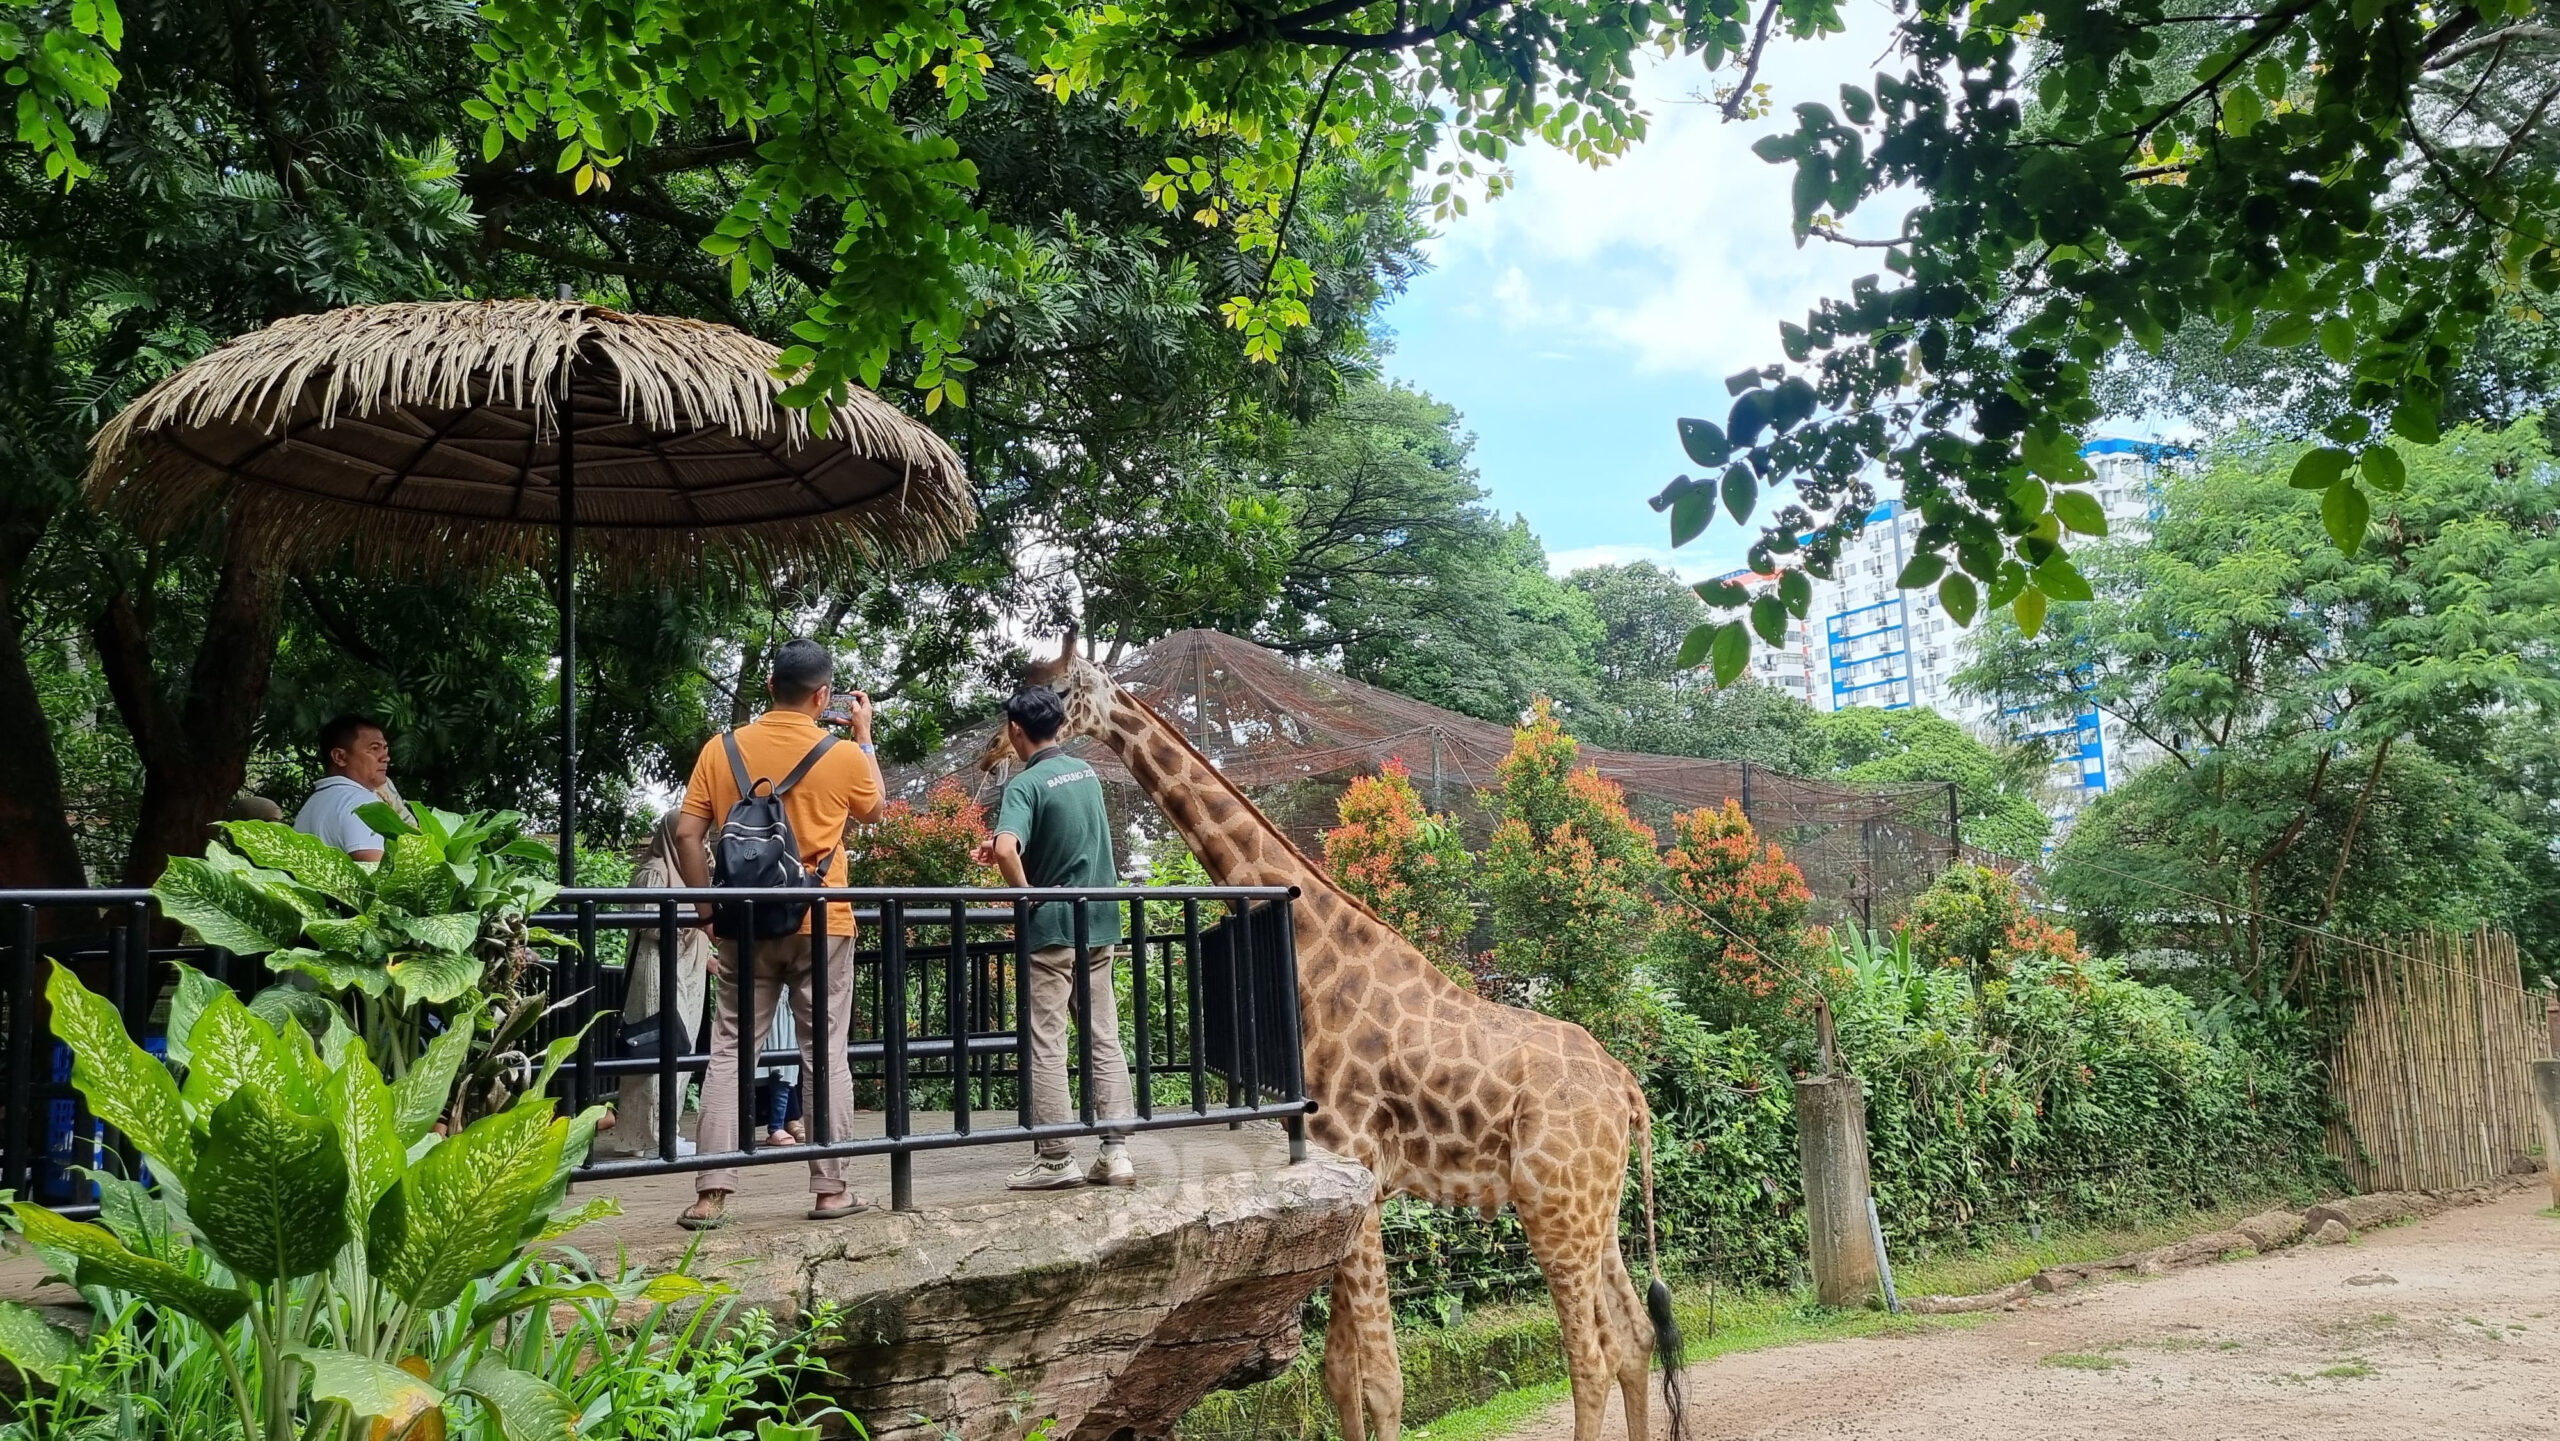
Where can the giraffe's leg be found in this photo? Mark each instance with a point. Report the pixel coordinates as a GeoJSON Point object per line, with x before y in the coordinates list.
{"type": "Point", "coordinates": [1566, 1254]}
{"type": "Point", "coordinates": [1630, 1338]}
{"type": "Point", "coordinates": [1360, 1364]}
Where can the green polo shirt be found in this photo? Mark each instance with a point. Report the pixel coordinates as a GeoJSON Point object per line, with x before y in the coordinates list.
{"type": "Point", "coordinates": [1054, 811]}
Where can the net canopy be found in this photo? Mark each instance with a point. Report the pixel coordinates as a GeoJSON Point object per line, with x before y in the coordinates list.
{"type": "Point", "coordinates": [1293, 736]}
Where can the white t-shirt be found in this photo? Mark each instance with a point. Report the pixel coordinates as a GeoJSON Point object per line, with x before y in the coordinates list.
{"type": "Point", "coordinates": [330, 814]}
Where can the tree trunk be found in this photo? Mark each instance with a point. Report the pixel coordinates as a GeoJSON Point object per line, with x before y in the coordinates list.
{"type": "Point", "coordinates": [195, 753]}
{"type": "Point", "coordinates": [35, 831]}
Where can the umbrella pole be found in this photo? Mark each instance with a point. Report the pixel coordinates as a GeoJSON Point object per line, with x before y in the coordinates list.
{"type": "Point", "coordinates": [568, 606]}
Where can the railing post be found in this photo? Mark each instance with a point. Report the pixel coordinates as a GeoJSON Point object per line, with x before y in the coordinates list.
{"type": "Point", "coordinates": [1247, 977]}
{"type": "Point", "coordinates": [818, 1074]}
{"type": "Point", "coordinates": [1022, 1011]}
{"type": "Point", "coordinates": [592, 973]}
{"type": "Point", "coordinates": [1291, 1022]}
{"type": "Point", "coordinates": [1191, 1003]}
{"type": "Point", "coordinates": [750, 1035]}
{"type": "Point", "coordinates": [670, 1097]}
{"type": "Point", "coordinates": [893, 981]}
{"type": "Point", "coordinates": [955, 997]}
{"type": "Point", "coordinates": [1145, 1026]}
{"type": "Point", "coordinates": [24, 1171]}
{"type": "Point", "coordinates": [1084, 1013]}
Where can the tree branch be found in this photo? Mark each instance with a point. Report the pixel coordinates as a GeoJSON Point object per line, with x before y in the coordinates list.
{"type": "Point", "coordinates": [1733, 103]}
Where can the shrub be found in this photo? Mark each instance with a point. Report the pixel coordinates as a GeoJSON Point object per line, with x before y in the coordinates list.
{"type": "Point", "coordinates": [927, 845]}
{"type": "Point", "coordinates": [1977, 918]}
{"type": "Point", "coordinates": [1734, 948]}
{"type": "Point", "coordinates": [1407, 864]}
{"type": "Point", "coordinates": [341, 1260]}
{"type": "Point", "coordinates": [1567, 871]}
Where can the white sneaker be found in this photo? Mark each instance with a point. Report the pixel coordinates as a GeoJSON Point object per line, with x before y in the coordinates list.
{"type": "Point", "coordinates": [1045, 1173]}
{"type": "Point", "coordinates": [1111, 1168]}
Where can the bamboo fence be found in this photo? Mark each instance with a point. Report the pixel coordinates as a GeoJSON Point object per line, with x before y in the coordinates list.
{"type": "Point", "coordinates": [2432, 1071]}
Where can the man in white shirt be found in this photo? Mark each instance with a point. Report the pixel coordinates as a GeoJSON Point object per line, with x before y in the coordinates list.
{"type": "Point", "coordinates": [358, 756]}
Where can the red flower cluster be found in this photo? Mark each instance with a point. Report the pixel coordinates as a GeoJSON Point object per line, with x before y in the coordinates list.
{"type": "Point", "coordinates": [1739, 939]}
{"type": "Point", "coordinates": [926, 845]}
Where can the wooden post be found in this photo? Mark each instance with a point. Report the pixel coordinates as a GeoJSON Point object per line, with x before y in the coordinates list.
{"type": "Point", "coordinates": [1831, 1130]}
{"type": "Point", "coordinates": [2546, 1095]}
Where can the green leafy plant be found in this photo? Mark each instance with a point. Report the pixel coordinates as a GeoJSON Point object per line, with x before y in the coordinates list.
{"type": "Point", "coordinates": [440, 920]}
{"type": "Point", "coordinates": [340, 1259]}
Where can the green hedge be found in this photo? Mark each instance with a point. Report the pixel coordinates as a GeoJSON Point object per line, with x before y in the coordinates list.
{"type": "Point", "coordinates": [2063, 1091]}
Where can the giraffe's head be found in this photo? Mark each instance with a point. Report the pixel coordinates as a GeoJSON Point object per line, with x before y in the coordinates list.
{"type": "Point", "coordinates": [1079, 682]}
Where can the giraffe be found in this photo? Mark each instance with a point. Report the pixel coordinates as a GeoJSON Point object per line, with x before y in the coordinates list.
{"type": "Point", "coordinates": [1439, 1092]}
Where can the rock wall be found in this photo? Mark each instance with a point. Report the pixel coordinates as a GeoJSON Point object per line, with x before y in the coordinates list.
{"type": "Point", "coordinates": [1113, 1311]}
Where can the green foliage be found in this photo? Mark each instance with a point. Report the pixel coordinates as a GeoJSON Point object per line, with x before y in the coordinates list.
{"type": "Point", "coordinates": [1567, 871]}
{"type": "Point", "coordinates": [2108, 176]}
{"type": "Point", "coordinates": [1996, 805]}
{"type": "Point", "coordinates": [1977, 920]}
{"type": "Point", "coordinates": [1645, 699]}
{"type": "Point", "coordinates": [443, 911]}
{"type": "Point", "coordinates": [2344, 740]}
{"type": "Point", "coordinates": [284, 1270]}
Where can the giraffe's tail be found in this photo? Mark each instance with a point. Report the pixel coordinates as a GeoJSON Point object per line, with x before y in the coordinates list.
{"type": "Point", "coordinates": [1668, 1347]}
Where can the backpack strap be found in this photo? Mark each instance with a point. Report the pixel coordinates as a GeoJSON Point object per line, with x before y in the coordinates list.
{"type": "Point", "coordinates": [738, 765]}
{"type": "Point", "coordinates": [824, 745]}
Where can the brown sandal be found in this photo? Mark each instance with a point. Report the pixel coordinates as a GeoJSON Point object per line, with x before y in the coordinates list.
{"type": "Point", "coordinates": [836, 1205]}
{"type": "Point", "coordinates": [710, 1221]}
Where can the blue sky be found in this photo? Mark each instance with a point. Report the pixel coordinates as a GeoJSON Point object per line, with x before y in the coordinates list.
{"type": "Point", "coordinates": [1575, 319]}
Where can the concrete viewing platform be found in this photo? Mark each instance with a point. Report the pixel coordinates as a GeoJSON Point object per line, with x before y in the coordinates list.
{"type": "Point", "coordinates": [1113, 1310]}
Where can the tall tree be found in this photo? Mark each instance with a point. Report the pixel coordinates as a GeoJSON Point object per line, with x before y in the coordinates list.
{"type": "Point", "coordinates": [2314, 714]}
{"type": "Point", "coordinates": [1645, 700]}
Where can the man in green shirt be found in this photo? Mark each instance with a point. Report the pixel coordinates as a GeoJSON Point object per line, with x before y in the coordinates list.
{"type": "Point", "coordinates": [1051, 830]}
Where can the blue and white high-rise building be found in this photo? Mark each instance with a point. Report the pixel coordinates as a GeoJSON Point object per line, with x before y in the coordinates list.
{"type": "Point", "coordinates": [1866, 642]}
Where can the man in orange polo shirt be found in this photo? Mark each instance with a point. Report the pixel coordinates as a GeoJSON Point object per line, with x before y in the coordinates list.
{"type": "Point", "coordinates": [841, 786]}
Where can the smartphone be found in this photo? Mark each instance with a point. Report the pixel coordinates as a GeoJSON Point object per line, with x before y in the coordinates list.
{"type": "Point", "coordinates": [839, 709]}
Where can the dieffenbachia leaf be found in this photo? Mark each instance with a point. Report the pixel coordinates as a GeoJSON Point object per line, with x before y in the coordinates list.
{"type": "Point", "coordinates": [269, 1193]}
{"type": "Point", "coordinates": [91, 1256]}
{"type": "Point", "coordinates": [126, 1086]}
{"type": "Point", "coordinates": [460, 1210]}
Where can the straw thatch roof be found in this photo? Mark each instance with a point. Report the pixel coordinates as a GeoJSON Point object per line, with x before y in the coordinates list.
{"type": "Point", "coordinates": [425, 435]}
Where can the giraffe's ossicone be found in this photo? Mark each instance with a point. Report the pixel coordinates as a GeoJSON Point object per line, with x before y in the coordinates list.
{"type": "Point", "coordinates": [1439, 1092]}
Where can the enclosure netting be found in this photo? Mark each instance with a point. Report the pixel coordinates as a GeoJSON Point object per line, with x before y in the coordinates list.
{"type": "Point", "coordinates": [1293, 736]}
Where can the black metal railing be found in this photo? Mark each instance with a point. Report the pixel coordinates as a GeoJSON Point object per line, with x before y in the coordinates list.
{"type": "Point", "coordinates": [942, 987]}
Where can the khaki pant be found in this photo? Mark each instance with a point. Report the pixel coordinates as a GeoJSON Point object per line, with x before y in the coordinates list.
{"type": "Point", "coordinates": [782, 967]}
{"type": "Point", "coordinates": [635, 1116]}
{"type": "Point", "coordinates": [1053, 1004]}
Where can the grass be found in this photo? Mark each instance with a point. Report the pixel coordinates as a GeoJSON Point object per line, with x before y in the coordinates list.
{"type": "Point", "coordinates": [2346, 1370]}
{"type": "Point", "coordinates": [2017, 1256]}
{"type": "Point", "coordinates": [2083, 1361]}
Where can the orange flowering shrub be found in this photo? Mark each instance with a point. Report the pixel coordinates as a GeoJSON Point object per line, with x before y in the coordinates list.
{"type": "Point", "coordinates": [927, 845]}
{"type": "Point", "coordinates": [1977, 918]}
{"type": "Point", "coordinates": [1735, 947]}
{"type": "Point", "coordinates": [1407, 864]}
{"type": "Point", "coordinates": [1569, 871]}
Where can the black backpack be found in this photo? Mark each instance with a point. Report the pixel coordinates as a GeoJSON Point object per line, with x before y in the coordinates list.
{"type": "Point", "coordinates": [755, 849]}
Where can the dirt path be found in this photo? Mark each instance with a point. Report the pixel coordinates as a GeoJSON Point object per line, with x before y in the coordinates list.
{"type": "Point", "coordinates": [2447, 1329]}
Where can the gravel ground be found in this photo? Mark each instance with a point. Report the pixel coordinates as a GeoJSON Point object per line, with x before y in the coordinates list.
{"type": "Point", "coordinates": [2446, 1329]}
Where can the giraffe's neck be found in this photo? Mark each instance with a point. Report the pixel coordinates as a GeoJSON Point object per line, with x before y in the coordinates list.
{"type": "Point", "coordinates": [1237, 843]}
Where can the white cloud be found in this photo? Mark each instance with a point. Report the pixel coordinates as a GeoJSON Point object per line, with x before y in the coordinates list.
{"type": "Point", "coordinates": [1688, 565]}
{"type": "Point", "coordinates": [1677, 257]}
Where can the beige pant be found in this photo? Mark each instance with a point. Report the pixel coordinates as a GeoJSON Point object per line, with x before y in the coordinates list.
{"type": "Point", "coordinates": [1053, 1007]}
{"type": "Point", "coordinates": [782, 968]}
{"type": "Point", "coordinates": [635, 1116]}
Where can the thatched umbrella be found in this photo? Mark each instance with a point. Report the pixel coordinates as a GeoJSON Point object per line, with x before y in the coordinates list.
{"type": "Point", "coordinates": [433, 437]}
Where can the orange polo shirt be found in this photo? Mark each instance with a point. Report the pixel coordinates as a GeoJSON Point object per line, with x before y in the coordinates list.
{"type": "Point", "coordinates": [819, 807]}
